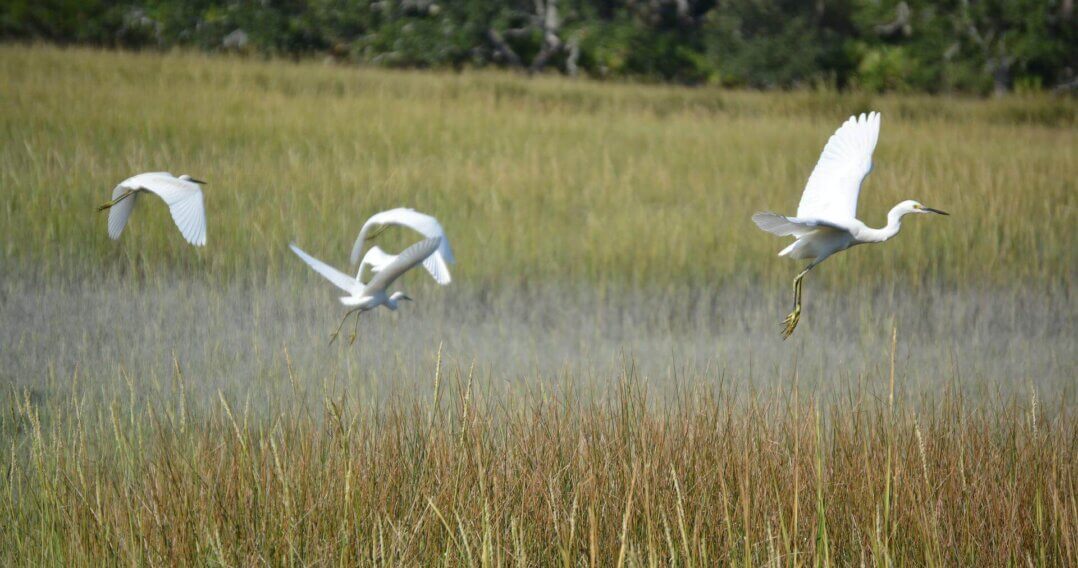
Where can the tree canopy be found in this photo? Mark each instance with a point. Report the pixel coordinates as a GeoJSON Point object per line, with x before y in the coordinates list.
{"type": "Point", "coordinates": [975, 46]}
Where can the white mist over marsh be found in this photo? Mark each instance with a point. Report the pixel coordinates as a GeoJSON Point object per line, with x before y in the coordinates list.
{"type": "Point", "coordinates": [241, 338]}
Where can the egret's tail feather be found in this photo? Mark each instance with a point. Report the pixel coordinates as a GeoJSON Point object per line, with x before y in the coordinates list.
{"type": "Point", "coordinates": [786, 251]}
{"type": "Point", "coordinates": [776, 224]}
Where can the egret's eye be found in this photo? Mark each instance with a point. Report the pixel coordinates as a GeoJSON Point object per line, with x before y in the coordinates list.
{"type": "Point", "coordinates": [918, 206]}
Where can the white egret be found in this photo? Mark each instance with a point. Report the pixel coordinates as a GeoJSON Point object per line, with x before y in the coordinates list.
{"type": "Point", "coordinates": [826, 220]}
{"type": "Point", "coordinates": [436, 264]}
{"type": "Point", "coordinates": [377, 259]}
{"type": "Point", "coordinates": [182, 194]}
{"type": "Point", "coordinates": [363, 297]}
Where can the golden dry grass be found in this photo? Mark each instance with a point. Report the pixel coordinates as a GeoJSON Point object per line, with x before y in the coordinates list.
{"type": "Point", "coordinates": [542, 476]}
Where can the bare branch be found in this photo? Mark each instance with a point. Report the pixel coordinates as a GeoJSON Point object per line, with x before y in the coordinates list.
{"type": "Point", "coordinates": [551, 42]}
{"type": "Point", "coordinates": [574, 56]}
{"type": "Point", "coordinates": [901, 23]}
{"type": "Point", "coordinates": [503, 48]}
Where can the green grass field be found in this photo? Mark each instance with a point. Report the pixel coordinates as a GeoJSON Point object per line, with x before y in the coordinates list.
{"type": "Point", "coordinates": [543, 179]}
{"type": "Point", "coordinates": [602, 384]}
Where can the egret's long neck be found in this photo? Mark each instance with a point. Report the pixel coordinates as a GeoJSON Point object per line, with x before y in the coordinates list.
{"type": "Point", "coordinates": [392, 304]}
{"type": "Point", "coordinates": [894, 223]}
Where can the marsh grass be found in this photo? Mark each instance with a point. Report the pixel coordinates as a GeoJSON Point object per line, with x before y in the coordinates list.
{"type": "Point", "coordinates": [542, 474]}
{"type": "Point", "coordinates": [603, 384]}
{"type": "Point", "coordinates": [546, 179]}
{"type": "Point", "coordinates": [233, 337]}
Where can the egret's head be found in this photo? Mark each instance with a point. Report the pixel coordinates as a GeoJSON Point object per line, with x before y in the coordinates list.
{"type": "Point", "coordinates": [186, 177]}
{"type": "Point", "coordinates": [911, 206]}
{"type": "Point", "coordinates": [398, 296]}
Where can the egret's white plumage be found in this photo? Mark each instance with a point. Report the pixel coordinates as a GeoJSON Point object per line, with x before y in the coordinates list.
{"type": "Point", "coordinates": [363, 297]}
{"type": "Point", "coordinates": [403, 262]}
{"type": "Point", "coordinates": [436, 264]}
{"type": "Point", "coordinates": [339, 279]}
{"type": "Point", "coordinates": [833, 187]}
{"type": "Point", "coordinates": [182, 194]}
{"type": "Point", "coordinates": [826, 221]}
{"type": "Point", "coordinates": [376, 259]}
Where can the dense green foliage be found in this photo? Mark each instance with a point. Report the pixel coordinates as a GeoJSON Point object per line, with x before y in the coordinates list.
{"type": "Point", "coordinates": [876, 45]}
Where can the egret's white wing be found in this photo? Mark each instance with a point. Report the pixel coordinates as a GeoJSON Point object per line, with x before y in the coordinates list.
{"type": "Point", "coordinates": [377, 259]}
{"type": "Point", "coordinates": [436, 266]}
{"type": "Point", "coordinates": [833, 187]}
{"type": "Point", "coordinates": [784, 226]}
{"type": "Point", "coordinates": [338, 278]}
{"type": "Point", "coordinates": [184, 199]}
{"type": "Point", "coordinates": [404, 262]}
{"type": "Point", "coordinates": [426, 225]}
{"type": "Point", "coordinates": [119, 213]}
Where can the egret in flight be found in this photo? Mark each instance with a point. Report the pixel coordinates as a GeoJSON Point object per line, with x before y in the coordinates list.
{"type": "Point", "coordinates": [363, 297]}
{"type": "Point", "coordinates": [826, 220]}
{"type": "Point", "coordinates": [436, 264]}
{"type": "Point", "coordinates": [183, 195]}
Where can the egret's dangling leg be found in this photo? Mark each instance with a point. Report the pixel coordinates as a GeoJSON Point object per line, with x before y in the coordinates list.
{"type": "Point", "coordinates": [791, 320]}
{"type": "Point", "coordinates": [377, 232]}
{"type": "Point", "coordinates": [108, 204]}
{"type": "Point", "coordinates": [333, 337]}
{"type": "Point", "coordinates": [371, 237]}
{"type": "Point", "coordinates": [355, 330]}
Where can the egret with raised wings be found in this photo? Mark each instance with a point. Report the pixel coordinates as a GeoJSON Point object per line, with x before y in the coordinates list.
{"type": "Point", "coordinates": [182, 194]}
{"type": "Point", "coordinates": [826, 220]}
{"type": "Point", "coordinates": [436, 264]}
{"type": "Point", "coordinates": [363, 297]}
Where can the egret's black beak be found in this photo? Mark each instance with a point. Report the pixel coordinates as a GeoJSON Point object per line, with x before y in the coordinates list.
{"type": "Point", "coordinates": [936, 211]}
{"type": "Point", "coordinates": [198, 181]}
{"type": "Point", "coordinates": [409, 298]}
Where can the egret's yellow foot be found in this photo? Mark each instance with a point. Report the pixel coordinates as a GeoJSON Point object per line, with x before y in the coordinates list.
{"type": "Point", "coordinates": [109, 204]}
{"type": "Point", "coordinates": [790, 322]}
{"type": "Point", "coordinates": [377, 232]}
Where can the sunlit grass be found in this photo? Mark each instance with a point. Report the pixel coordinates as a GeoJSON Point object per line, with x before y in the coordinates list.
{"type": "Point", "coordinates": [603, 384]}
{"type": "Point", "coordinates": [476, 475]}
{"type": "Point", "coordinates": [533, 179]}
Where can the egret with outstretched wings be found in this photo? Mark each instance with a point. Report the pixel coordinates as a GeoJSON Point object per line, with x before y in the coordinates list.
{"type": "Point", "coordinates": [182, 194]}
{"type": "Point", "coordinates": [362, 297]}
{"type": "Point", "coordinates": [436, 264]}
{"type": "Point", "coordinates": [826, 221]}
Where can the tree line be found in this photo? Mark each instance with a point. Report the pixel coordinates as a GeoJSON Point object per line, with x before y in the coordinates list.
{"type": "Point", "coordinates": [970, 46]}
